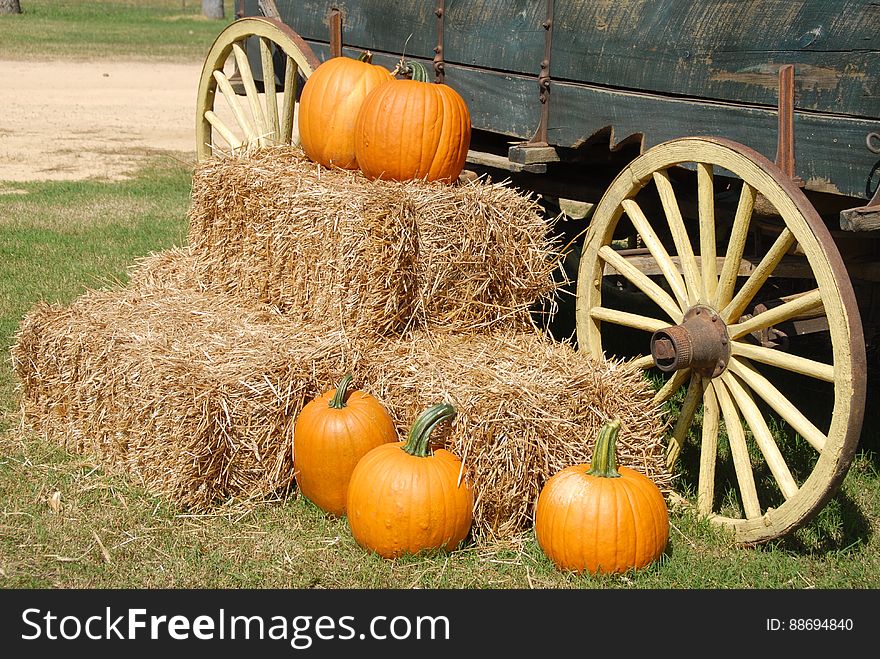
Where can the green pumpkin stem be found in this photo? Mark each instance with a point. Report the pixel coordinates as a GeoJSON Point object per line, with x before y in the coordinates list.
{"type": "Point", "coordinates": [414, 70]}
{"type": "Point", "coordinates": [366, 56]}
{"type": "Point", "coordinates": [604, 464]}
{"type": "Point", "coordinates": [338, 400]}
{"type": "Point", "coordinates": [420, 433]}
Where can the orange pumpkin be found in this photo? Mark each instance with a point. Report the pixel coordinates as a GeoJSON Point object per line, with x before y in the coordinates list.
{"type": "Point", "coordinates": [599, 518]}
{"type": "Point", "coordinates": [330, 435]}
{"type": "Point", "coordinates": [329, 105]}
{"type": "Point", "coordinates": [403, 498]}
{"type": "Point", "coordinates": [413, 129]}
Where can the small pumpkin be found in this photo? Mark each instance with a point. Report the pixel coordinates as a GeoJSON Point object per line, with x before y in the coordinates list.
{"type": "Point", "coordinates": [413, 129]}
{"type": "Point", "coordinates": [329, 105]}
{"type": "Point", "coordinates": [404, 498]}
{"type": "Point", "coordinates": [332, 432]}
{"type": "Point", "coordinates": [599, 518]}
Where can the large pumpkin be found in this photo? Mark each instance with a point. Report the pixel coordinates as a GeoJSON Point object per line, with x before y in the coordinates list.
{"type": "Point", "coordinates": [329, 105]}
{"type": "Point", "coordinates": [404, 498]}
{"type": "Point", "coordinates": [599, 518]}
{"type": "Point", "coordinates": [330, 435]}
{"type": "Point", "coordinates": [413, 129]}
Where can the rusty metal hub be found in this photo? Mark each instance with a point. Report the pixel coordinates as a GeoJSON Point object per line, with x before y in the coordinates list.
{"type": "Point", "coordinates": [700, 342]}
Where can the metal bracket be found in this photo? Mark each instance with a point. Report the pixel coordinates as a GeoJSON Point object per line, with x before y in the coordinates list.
{"type": "Point", "coordinates": [439, 64]}
{"type": "Point", "coordinates": [538, 150]}
{"type": "Point", "coordinates": [785, 138]}
{"type": "Point", "coordinates": [335, 19]}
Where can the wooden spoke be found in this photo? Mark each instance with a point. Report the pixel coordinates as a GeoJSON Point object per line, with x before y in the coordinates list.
{"type": "Point", "coordinates": [775, 399]}
{"type": "Point", "coordinates": [660, 297]}
{"type": "Point", "coordinates": [291, 81]}
{"type": "Point", "coordinates": [643, 362]}
{"type": "Point", "coordinates": [763, 436]}
{"type": "Point", "coordinates": [229, 94]}
{"type": "Point", "coordinates": [706, 213]}
{"type": "Point", "coordinates": [735, 246]}
{"type": "Point", "coordinates": [255, 118]}
{"type": "Point", "coordinates": [673, 384]}
{"type": "Point", "coordinates": [780, 314]}
{"type": "Point", "coordinates": [685, 416]}
{"type": "Point", "coordinates": [708, 452]}
{"type": "Point", "coordinates": [680, 237]}
{"type": "Point", "coordinates": [756, 280]}
{"type": "Point", "coordinates": [739, 450]}
{"type": "Point", "coordinates": [783, 360]}
{"type": "Point", "coordinates": [269, 88]}
{"type": "Point", "coordinates": [250, 88]}
{"type": "Point", "coordinates": [627, 319]}
{"type": "Point", "coordinates": [222, 129]}
{"type": "Point", "coordinates": [661, 256]}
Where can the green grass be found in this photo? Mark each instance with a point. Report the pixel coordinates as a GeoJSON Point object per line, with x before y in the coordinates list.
{"type": "Point", "coordinates": [170, 30]}
{"type": "Point", "coordinates": [58, 239]}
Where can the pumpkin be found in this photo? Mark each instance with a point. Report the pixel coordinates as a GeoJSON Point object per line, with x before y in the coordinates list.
{"type": "Point", "coordinates": [404, 498]}
{"type": "Point", "coordinates": [599, 518]}
{"type": "Point", "coordinates": [412, 129]}
{"type": "Point", "coordinates": [329, 105]}
{"type": "Point", "coordinates": [331, 433]}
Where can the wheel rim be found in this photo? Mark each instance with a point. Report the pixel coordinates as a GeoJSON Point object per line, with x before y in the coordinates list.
{"type": "Point", "coordinates": [724, 375]}
{"type": "Point", "coordinates": [254, 119]}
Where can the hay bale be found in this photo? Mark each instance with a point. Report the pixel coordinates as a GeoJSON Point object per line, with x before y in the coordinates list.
{"type": "Point", "coordinates": [380, 256]}
{"type": "Point", "coordinates": [174, 267]}
{"type": "Point", "coordinates": [196, 396]}
{"type": "Point", "coordinates": [527, 407]}
{"type": "Point", "coordinates": [272, 226]}
{"type": "Point", "coordinates": [192, 393]}
{"type": "Point", "coordinates": [486, 255]}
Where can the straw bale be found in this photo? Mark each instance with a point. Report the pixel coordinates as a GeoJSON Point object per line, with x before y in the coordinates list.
{"type": "Point", "coordinates": [377, 255]}
{"type": "Point", "coordinates": [192, 393]}
{"type": "Point", "coordinates": [196, 395]}
{"type": "Point", "coordinates": [174, 267]}
{"type": "Point", "coordinates": [487, 255]}
{"type": "Point", "coordinates": [270, 225]}
{"type": "Point", "coordinates": [527, 407]}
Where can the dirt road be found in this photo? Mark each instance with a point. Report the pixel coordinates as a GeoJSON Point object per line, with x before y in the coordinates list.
{"type": "Point", "coordinates": [76, 120]}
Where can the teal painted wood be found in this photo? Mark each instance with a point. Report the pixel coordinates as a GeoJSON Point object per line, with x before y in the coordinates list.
{"type": "Point", "coordinates": [726, 49]}
{"type": "Point", "coordinates": [716, 49]}
{"type": "Point", "coordinates": [650, 69]}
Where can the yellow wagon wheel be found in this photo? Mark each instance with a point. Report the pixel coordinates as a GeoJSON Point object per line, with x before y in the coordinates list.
{"type": "Point", "coordinates": [703, 304]}
{"type": "Point", "coordinates": [256, 117]}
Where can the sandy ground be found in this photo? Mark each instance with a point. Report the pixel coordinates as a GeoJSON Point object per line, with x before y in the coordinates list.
{"type": "Point", "coordinates": [75, 120]}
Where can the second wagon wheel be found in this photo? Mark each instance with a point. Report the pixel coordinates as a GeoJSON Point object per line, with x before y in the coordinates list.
{"type": "Point", "coordinates": [705, 297]}
{"type": "Point", "coordinates": [261, 115]}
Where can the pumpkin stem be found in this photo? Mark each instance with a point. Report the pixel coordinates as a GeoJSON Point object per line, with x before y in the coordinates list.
{"type": "Point", "coordinates": [338, 400]}
{"type": "Point", "coordinates": [604, 464]}
{"type": "Point", "coordinates": [420, 433]}
{"type": "Point", "coordinates": [413, 70]}
{"type": "Point", "coordinates": [366, 56]}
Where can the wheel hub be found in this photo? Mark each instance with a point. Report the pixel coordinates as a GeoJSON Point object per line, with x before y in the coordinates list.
{"type": "Point", "coordinates": [700, 342]}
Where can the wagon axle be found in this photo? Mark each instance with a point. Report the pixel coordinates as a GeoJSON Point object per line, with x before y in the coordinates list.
{"type": "Point", "coordinates": [700, 342]}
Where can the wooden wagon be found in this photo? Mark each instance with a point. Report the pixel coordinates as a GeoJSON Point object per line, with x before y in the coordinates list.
{"type": "Point", "coordinates": [717, 163]}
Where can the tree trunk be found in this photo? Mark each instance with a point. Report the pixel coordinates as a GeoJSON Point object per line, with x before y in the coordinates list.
{"type": "Point", "coordinates": [10, 7]}
{"type": "Point", "coordinates": [213, 9]}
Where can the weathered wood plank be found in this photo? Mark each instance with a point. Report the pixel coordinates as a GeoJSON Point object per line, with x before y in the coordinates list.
{"type": "Point", "coordinates": [866, 218]}
{"type": "Point", "coordinates": [830, 152]}
{"type": "Point", "coordinates": [726, 49]}
{"type": "Point", "coordinates": [723, 50]}
{"type": "Point", "coordinates": [681, 55]}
